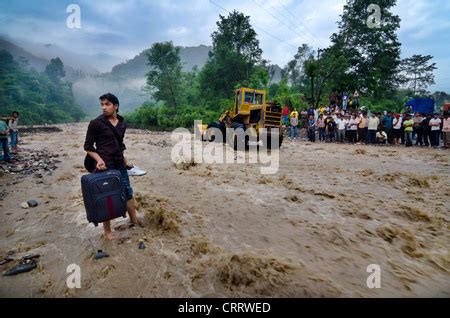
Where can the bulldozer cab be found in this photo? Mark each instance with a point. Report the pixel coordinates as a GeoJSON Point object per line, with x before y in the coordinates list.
{"type": "Point", "coordinates": [248, 100]}
{"type": "Point", "coordinates": [249, 107]}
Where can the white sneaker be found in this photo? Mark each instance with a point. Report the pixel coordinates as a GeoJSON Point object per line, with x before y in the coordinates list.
{"type": "Point", "coordinates": [136, 171]}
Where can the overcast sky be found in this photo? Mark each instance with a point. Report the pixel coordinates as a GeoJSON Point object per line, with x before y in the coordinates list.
{"type": "Point", "coordinates": [123, 28]}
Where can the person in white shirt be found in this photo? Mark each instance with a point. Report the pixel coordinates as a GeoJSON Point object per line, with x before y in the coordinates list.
{"type": "Point", "coordinates": [396, 125]}
{"type": "Point", "coordinates": [435, 124]}
{"type": "Point", "coordinates": [353, 128]}
{"type": "Point", "coordinates": [341, 123]}
{"type": "Point", "coordinates": [381, 137]}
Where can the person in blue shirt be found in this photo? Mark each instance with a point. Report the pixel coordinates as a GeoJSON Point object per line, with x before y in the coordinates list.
{"type": "Point", "coordinates": [4, 132]}
{"type": "Point", "coordinates": [387, 125]}
{"type": "Point", "coordinates": [311, 129]}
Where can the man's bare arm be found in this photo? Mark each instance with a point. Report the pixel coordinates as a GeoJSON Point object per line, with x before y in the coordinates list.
{"type": "Point", "coordinates": [100, 163]}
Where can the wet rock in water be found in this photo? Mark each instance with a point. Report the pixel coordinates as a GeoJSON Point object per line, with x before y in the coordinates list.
{"type": "Point", "coordinates": [17, 169]}
{"type": "Point", "coordinates": [3, 194]}
{"type": "Point", "coordinates": [32, 203]}
{"type": "Point", "coordinates": [28, 204]}
{"type": "Point", "coordinates": [100, 254]}
{"type": "Point", "coordinates": [162, 144]}
{"type": "Point", "coordinates": [21, 268]}
{"type": "Point", "coordinates": [8, 258]}
{"type": "Point", "coordinates": [30, 161]}
{"type": "Point", "coordinates": [25, 130]}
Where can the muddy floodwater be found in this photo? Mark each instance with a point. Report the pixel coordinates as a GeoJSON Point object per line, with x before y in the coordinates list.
{"type": "Point", "coordinates": [225, 230]}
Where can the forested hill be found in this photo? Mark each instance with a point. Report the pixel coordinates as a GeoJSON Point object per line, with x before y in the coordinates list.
{"type": "Point", "coordinates": [22, 55]}
{"type": "Point", "coordinates": [138, 67]}
{"type": "Point", "coordinates": [39, 97]}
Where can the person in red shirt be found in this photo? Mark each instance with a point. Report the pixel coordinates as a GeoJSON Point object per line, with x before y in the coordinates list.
{"type": "Point", "coordinates": [285, 114]}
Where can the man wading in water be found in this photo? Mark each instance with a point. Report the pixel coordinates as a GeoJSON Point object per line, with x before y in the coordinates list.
{"type": "Point", "coordinates": [108, 153]}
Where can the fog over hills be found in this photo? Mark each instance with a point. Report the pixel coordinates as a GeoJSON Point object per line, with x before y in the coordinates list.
{"type": "Point", "coordinates": [126, 79]}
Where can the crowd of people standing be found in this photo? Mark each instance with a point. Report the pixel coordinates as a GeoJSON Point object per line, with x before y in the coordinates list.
{"type": "Point", "coordinates": [332, 124]}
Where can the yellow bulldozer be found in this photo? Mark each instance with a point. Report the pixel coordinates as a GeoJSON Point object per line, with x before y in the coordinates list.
{"type": "Point", "coordinates": [249, 113]}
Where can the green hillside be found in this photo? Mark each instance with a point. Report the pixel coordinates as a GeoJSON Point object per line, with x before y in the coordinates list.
{"type": "Point", "coordinates": [38, 97]}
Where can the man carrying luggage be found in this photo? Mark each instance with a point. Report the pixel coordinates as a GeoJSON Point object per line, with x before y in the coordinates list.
{"type": "Point", "coordinates": [108, 152]}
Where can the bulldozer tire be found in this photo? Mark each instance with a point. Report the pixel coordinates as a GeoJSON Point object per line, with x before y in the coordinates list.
{"type": "Point", "coordinates": [221, 127]}
{"type": "Point", "coordinates": [234, 142]}
{"type": "Point", "coordinates": [269, 143]}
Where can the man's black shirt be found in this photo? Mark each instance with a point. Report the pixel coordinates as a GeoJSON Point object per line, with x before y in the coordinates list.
{"type": "Point", "coordinates": [106, 144]}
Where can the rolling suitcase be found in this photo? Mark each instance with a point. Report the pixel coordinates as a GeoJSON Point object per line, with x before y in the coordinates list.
{"type": "Point", "coordinates": [104, 196]}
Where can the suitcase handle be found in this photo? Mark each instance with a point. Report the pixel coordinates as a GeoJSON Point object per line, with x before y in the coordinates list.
{"type": "Point", "coordinates": [96, 170]}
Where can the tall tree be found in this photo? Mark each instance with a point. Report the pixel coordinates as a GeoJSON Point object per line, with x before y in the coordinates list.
{"type": "Point", "coordinates": [294, 71]}
{"type": "Point", "coordinates": [55, 70]}
{"type": "Point", "coordinates": [417, 72]}
{"type": "Point", "coordinates": [312, 70]}
{"type": "Point", "coordinates": [441, 98]}
{"type": "Point", "coordinates": [374, 50]}
{"type": "Point", "coordinates": [236, 33]}
{"type": "Point", "coordinates": [165, 76]}
{"type": "Point", "coordinates": [235, 56]}
{"type": "Point", "coordinates": [331, 72]}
